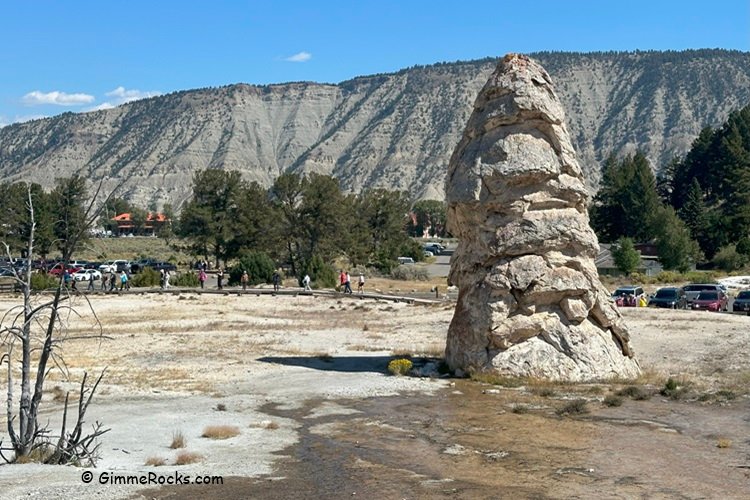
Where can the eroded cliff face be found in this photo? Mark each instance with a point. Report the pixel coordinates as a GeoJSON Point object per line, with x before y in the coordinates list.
{"type": "Point", "coordinates": [394, 130]}
{"type": "Point", "coordinates": [530, 300]}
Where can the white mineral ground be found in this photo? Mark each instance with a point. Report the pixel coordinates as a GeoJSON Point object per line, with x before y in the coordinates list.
{"type": "Point", "coordinates": [171, 360]}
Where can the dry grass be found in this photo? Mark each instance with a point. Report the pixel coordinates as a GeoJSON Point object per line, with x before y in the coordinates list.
{"type": "Point", "coordinates": [178, 440]}
{"type": "Point", "coordinates": [221, 407]}
{"type": "Point", "coordinates": [40, 454]}
{"type": "Point", "coordinates": [612, 400]}
{"type": "Point", "coordinates": [220, 432]}
{"type": "Point", "coordinates": [58, 394]}
{"type": "Point", "coordinates": [364, 348]}
{"type": "Point", "coordinates": [187, 457]}
{"type": "Point", "coordinates": [575, 407]}
{"type": "Point", "coordinates": [155, 461]}
{"type": "Point", "coordinates": [635, 392]}
{"type": "Point", "coordinates": [266, 424]}
{"type": "Point", "coordinates": [723, 443]}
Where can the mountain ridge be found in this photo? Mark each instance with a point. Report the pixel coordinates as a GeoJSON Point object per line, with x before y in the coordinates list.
{"type": "Point", "coordinates": [394, 130]}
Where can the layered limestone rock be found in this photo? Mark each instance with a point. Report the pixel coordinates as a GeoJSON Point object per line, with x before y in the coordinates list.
{"type": "Point", "coordinates": [530, 300]}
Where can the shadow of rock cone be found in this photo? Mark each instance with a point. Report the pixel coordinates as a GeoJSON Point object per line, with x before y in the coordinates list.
{"type": "Point", "coordinates": [530, 300]}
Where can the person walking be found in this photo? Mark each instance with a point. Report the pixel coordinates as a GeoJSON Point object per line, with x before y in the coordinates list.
{"type": "Point", "coordinates": [342, 280]}
{"type": "Point", "coordinates": [244, 279]}
{"type": "Point", "coordinates": [162, 280]}
{"type": "Point", "coordinates": [124, 281]}
{"type": "Point", "coordinates": [202, 277]}
{"type": "Point", "coordinates": [361, 283]}
{"type": "Point", "coordinates": [166, 279]}
{"type": "Point", "coordinates": [306, 282]}
{"type": "Point", "coordinates": [105, 277]}
{"type": "Point", "coordinates": [220, 279]}
{"type": "Point", "coordinates": [91, 282]}
{"type": "Point", "coordinates": [276, 281]}
{"type": "Point", "coordinates": [112, 281]}
{"type": "Point", "coordinates": [347, 283]}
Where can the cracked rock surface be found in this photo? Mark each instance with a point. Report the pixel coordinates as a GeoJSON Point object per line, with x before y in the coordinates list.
{"type": "Point", "coordinates": [530, 300]}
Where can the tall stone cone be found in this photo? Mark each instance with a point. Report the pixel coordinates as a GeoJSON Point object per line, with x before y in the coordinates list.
{"type": "Point", "coordinates": [530, 301]}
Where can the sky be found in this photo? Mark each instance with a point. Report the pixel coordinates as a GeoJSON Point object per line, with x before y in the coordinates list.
{"type": "Point", "coordinates": [58, 56]}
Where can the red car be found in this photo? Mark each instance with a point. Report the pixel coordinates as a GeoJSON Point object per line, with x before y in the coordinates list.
{"type": "Point", "coordinates": [57, 269]}
{"type": "Point", "coordinates": [711, 300]}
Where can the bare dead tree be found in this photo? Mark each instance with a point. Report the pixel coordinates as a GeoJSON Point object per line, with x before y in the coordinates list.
{"type": "Point", "coordinates": [36, 328]}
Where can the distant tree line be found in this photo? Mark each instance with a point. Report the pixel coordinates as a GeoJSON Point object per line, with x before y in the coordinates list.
{"type": "Point", "coordinates": [57, 214]}
{"type": "Point", "coordinates": [304, 222]}
{"type": "Point", "coordinates": [698, 209]}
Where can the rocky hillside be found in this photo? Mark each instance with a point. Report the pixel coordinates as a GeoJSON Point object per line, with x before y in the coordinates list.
{"type": "Point", "coordinates": [392, 130]}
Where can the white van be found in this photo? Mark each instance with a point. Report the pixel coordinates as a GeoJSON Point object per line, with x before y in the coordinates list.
{"type": "Point", "coordinates": [405, 260]}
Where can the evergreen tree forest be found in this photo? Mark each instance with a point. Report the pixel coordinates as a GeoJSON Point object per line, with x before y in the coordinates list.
{"type": "Point", "coordinates": [303, 221]}
{"type": "Point", "coordinates": [697, 210]}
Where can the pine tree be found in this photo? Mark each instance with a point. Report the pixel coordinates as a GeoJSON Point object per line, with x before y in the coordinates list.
{"type": "Point", "coordinates": [625, 255]}
{"type": "Point", "coordinates": [693, 212]}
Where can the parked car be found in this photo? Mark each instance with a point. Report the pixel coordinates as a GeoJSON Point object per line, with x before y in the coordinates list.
{"type": "Point", "coordinates": [58, 269]}
{"type": "Point", "coordinates": [405, 260]}
{"type": "Point", "coordinates": [435, 248]}
{"type": "Point", "coordinates": [154, 264]}
{"type": "Point", "coordinates": [741, 301]}
{"type": "Point", "coordinates": [694, 289]}
{"type": "Point", "coordinates": [115, 266]}
{"type": "Point", "coordinates": [672, 297]}
{"type": "Point", "coordinates": [167, 266]}
{"type": "Point", "coordinates": [711, 300]}
{"type": "Point", "coordinates": [85, 275]}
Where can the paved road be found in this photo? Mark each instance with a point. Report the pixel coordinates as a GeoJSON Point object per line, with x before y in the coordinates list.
{"type": "Point", "coordinates": [441, 266]}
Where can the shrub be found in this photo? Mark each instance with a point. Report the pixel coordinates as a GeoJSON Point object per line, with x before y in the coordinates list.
{"type": "Point", "coordinates": [728, 259]}
{"type": "Point", "coordinates": [575, 407]}
{"type": "Point", "coordinates": [669, 277]}
{"type": "Point", "coordinates": [321, 274]}
{"type": "Point", "coordinates": [147, 277]}
{"type": "Point", "coordinates": [613, 400]}
{"type": "Point", "coordinates": [178, 440]}
{"type": "Point", "coordinates": [220, 432]}
{"type": "Point", "coordinates": [410, 273]}
{"type": "Point", "coordinates": [155, 461]}
{"type": "Point", "coordinates": [188, 279]}
{"type": "Point", "coordinates": [258, 265]}
{"type": "Point", "coordinates": [42, 281]}
{"type": "Point", "coordinates": [700, 276]}
{"type": "Point", "coordinates": [723, 443]}
{"type": "Point", "coordinates": [399, 366]}
{"type": "Point", "coordinates": [411, 248]}
{"type": "Point", "coordinates": [520, 409]}
{"type": "Point", "coordinates": [493, 378]}
{"type": "Point", "coordinates": [674, 389]}
{"type": "Point", "coordinates": [634, 392]}
{"type": "Point", "coordinates": [545, 392]}
{"type": "Point", "coordinates": [187, 457]}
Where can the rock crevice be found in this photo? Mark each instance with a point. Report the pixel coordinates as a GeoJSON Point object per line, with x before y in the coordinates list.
{"type": "Point", "coordinates": [530, 300]}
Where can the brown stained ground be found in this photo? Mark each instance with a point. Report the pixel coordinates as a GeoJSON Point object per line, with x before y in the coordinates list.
{"type": "Point", "coordinates": [468, 442]}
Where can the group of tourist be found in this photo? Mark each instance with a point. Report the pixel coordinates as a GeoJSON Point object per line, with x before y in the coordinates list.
{"type": "Point", "coordinates": [111, 280]}
{"type": "Point", "coordinates": [345, 281]}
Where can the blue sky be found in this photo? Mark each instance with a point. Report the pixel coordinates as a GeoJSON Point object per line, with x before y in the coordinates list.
{"type": "Point", "coordinates": [59, 56]}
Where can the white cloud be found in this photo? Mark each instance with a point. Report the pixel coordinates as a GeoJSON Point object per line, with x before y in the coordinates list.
{"type": "Point", "coordinates": [5, 121]}
{"type": "Point", "coordinates": [37, 98]}
{"type": "Point", "coordinates": [299, 57]}
{"type": "Point", "coordinates": [121, 95]}
{"type": "Point", "coordinates": [99, 107]}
